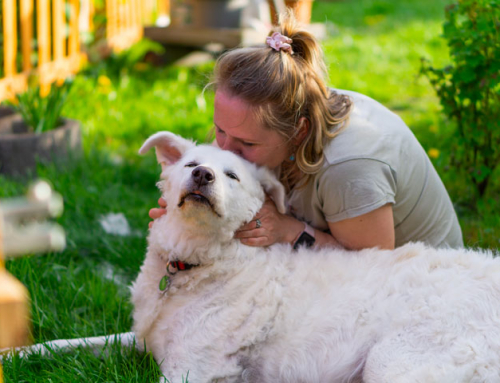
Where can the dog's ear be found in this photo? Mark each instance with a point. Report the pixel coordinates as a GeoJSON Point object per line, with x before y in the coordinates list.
{"type": "Point", "coordinates": [273, 188]}
{"type": "Point", "coordinates": [169, 147]}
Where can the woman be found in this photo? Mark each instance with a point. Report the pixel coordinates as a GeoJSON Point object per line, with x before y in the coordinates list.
{"type": "Point", "coordinates": [355, 174]}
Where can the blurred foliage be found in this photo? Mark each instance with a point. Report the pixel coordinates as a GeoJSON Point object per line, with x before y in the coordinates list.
{"type": "Point", "coordinates": [469, 89]}
{"type": "Point", "coordinates": [42, 114]}
{"type": "Point", "coordinates": [116, 64]}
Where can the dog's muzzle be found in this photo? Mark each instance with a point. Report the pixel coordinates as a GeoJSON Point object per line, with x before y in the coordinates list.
{"type": "Point", "coordinates": [199, 189]}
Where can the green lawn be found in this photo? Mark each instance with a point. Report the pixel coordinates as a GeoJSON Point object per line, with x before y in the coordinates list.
{"type": "Point", "coordinates": [373, 47]}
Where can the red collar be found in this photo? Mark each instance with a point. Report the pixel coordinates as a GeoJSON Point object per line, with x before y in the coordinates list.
{"type": "Point", "coordinates": [172, 268]}
{"type": "Point", "coordinates": [178, 265]}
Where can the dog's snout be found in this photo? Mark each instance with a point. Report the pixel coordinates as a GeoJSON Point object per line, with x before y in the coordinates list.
{"type": "Point", "coordinates": [203, 175]}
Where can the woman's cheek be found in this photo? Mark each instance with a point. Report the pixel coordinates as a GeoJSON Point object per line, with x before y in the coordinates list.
{"type": "Point", "coordinates": [251, 155]}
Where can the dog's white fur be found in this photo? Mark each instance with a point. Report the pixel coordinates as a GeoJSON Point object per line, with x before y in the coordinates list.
{"type": "Point", "coordinates": [246, 314]}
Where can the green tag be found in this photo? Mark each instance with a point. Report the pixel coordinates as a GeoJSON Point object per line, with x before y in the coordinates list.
{"type": "Point", "coordinates": [163, 283]}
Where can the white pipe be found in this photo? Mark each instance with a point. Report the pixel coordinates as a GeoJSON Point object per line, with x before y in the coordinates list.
{"type": "Point", "coordinates": [66, 345]}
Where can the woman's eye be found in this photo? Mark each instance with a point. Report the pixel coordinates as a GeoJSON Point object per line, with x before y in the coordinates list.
{"type": "Point", "coordinates": [232, 176]}
{"type": "Point", "coordinates": [191, 165]}
{"type": "Point", "coordinates": [248, 144]}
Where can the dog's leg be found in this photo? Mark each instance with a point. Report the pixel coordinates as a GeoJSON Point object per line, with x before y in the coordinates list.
{"type": "Point", "coordinates": [406, 357]}
{"type": "Point", "coordinates": [200, 371]}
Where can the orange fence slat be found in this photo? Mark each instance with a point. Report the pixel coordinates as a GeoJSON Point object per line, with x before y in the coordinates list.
{"type": "Point", "coordinates": [43, 31]}
{"type": "Point", "coordinates": [74, 34]}
{"type": "Point", "coordinates": [164, 7]}
{"type": "Point", "coordinates": [91, 14]}
{"type": "Point", "coordinates": [58, 37]}
{"type": "Point", "coordinates": [26, 13]}
{"type": "Point", "coordinates": [43, 23]}
{"type": "Point", "coordinates": [140, 12]}
{"type": "Point", "coordinates": [10, 33]}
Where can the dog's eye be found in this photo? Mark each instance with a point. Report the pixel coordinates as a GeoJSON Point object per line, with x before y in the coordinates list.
{"type": "Point", "coordinates": [191, 165]}
{"type": "Point", "coordinates": [232, 176]}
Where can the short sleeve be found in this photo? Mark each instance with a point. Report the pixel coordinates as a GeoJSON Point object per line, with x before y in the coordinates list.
{"type": "Point", "coordinates": [355, 187]}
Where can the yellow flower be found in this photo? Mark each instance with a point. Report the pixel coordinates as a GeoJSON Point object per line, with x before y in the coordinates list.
{"type": "Point", "coordinates": [433, 153]}
{"type": "Point", "coordinates": [103, 81]}
{"type": "Point", "coordinates": [104, 84]}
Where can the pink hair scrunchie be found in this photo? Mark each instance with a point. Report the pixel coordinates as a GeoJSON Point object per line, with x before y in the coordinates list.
{"type": "Point", "coordinates": [279, 42]}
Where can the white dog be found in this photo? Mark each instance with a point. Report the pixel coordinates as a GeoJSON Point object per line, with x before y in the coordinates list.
{"type": "Point", "coordinates": [246, 314]}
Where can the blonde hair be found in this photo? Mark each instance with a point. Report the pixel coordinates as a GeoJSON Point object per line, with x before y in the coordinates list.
{"type": "Point", "coordinates": [282, 88]}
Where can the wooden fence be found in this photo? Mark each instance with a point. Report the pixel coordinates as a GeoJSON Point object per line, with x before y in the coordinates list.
{"type": "Point", "coordinates": [59, 24]}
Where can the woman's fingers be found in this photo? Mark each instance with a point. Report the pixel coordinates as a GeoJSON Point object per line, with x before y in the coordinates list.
{"type": "Point", "coordinates": [252, 225]}
{"type": "Point", "coordinates": [249, 233]}
{"type": "Point", "coordinates": [257, 241]}
{"type": "Point", "coordinates": [157, 212]}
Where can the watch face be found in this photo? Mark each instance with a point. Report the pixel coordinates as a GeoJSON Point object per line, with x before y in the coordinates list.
{"type": "Point", "coordinates": [304, 239]}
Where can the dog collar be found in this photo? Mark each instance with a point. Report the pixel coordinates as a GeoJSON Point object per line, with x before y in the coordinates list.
{"type": "Point", "coordinates": [172, 268]}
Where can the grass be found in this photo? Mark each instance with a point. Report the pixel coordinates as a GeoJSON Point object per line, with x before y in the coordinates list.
{"type": "Point", "coordinates": [113, 364]}
{"type": "Point", "coordinates": [374, 47]}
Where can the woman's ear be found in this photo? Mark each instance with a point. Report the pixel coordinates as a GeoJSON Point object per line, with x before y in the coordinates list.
{"type": "Point", "coordinates": [303, 130]}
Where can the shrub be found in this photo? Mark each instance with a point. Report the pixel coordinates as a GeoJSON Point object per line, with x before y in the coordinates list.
{"type": "Point", "coordinates": [469, 88]}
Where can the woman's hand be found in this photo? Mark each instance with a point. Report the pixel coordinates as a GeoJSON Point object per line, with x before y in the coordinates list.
{"type": "Point", "coordinates": [269, 226]}
{"type": "Point", "coordinates": [156, 212]}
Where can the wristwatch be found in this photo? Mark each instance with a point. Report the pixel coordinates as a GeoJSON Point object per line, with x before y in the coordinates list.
{"type": "Point", "coordinates": [305, 238]}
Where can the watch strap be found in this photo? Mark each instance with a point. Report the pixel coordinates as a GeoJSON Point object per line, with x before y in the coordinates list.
{"type": "Point", "coordinates": [306, 238]}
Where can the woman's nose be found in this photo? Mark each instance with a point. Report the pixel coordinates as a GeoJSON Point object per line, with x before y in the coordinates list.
{"type": "Point", "coordinates": [232, 146]}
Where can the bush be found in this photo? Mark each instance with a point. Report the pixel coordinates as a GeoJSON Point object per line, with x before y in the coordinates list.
{"type": "Point", "coordinates": [469, 89]}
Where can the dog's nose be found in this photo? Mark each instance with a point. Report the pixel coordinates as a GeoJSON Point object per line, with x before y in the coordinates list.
{"type": "Point", "coordinates": [203, 175]}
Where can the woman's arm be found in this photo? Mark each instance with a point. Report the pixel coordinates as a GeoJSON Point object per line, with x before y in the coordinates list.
{"type": "Point", "coordinates": [373, 229]}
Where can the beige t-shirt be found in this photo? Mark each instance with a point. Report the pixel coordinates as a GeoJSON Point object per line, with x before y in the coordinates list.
{"type": "Point", "coordinates": [377, 160]}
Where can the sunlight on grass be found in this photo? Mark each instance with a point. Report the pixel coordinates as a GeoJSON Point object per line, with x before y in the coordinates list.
{"type": "Point", "coordinates": [135, 106]}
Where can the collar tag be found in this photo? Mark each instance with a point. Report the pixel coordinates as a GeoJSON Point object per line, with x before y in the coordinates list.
{"type": "Point", "coordinates": [164, 283]}
{"type": "Point", "coordinates": [172, 268]}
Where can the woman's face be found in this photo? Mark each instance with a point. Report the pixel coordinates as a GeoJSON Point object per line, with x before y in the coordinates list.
{"type": "Point", "coordinates": [237, 130]}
